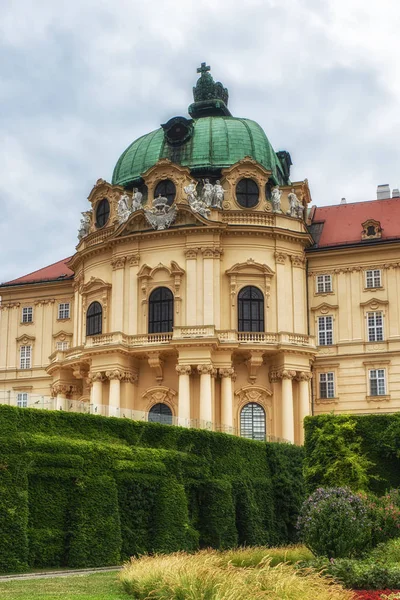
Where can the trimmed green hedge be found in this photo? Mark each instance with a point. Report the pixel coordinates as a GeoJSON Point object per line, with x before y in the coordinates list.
{"type": "Point", "coordinates": [360, 451]}
{"type": "Point", "coordinates": [84, 490]}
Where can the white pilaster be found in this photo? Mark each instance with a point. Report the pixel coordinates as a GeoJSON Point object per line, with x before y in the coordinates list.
{"type": "Point", "coordinates": [287, 406]}
{"type": "Point", "coordinates": [304, 379]}
{"type": "Point", "coordinates": [184, 395]}
{"type": "Point", "coordinates": [205, 395]}
{"type": "Point", "coordinates": [226, 399]}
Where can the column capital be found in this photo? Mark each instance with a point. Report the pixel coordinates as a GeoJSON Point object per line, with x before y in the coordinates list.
{"type": "Point", "coordinates": [60, 388]}
{"type": "Point", "coordinates": [226, 372]}
{"type": "Point", "coordinates": [118, 262]}
{"type": "Point", "coordinates": [114, 374]}
{"type": "Point", "coordinates": [129, 377]}
{"type": "Point", "coordinates": [280, 257]}
{"type": "Point", "coordinates": [304, 376]}
{"type": "Point", "coordinates": [277, 374]}
{"type": "Point", "coordinates": [205, 369]}
{"type": "Point", "coordinates": [183, 369]}
{"type": "Point", "coordinates": [99, 376]}
{"type": "Point", "coordinates": [191, 253]}
{"type": "Point", "coordinates": [134, 260]}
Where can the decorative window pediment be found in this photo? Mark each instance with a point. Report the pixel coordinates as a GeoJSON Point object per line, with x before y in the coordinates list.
{"type": "Point", "coordinates": [371, 230]}
{"type": "Point", "coordinates": [324, 308]}
{"type": "Point", "coordinates": [25, 339]}
{"type": "Point", "coordinates": [374, 303]}
{"type": "Point", "coordinates": [160, 395]}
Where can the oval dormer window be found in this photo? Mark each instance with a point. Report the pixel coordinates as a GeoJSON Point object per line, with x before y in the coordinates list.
{"type": "Point", "coordinates": [102, 212]}
{"type": "Point", "coordinates": [167, 189]}
{"type": "Point", "coordinates": [247, 193]}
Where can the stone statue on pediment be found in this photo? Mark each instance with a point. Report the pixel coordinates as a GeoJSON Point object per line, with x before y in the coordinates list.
{"type": "Point", "coordinates": [136, 200]}
{"type": "Point", "coordinates": [207, 192]}
{"type": "Point", "coordinates": [84, 226]}
{"type": "Point", "coordinates": [123, 210]}
{"type": "Point", "coordinates": [294, 203]}
{"type": "Point", "coordinates": [276, 194]}
{"type": "Point", "coordinates": [196, 204]}
{"type": "Point", "coordinates": [218, 195]}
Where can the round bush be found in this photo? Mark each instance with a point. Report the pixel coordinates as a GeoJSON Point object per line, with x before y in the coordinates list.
{"type": "Point", "coordinates": [334, 522]}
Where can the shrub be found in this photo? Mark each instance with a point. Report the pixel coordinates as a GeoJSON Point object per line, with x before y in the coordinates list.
{"type": "Point", "coordinates": [384, 515]}
{"type": "Point", "coordinates": [334, 522]}
{"type": "Point", "coordinates": [365, 574]}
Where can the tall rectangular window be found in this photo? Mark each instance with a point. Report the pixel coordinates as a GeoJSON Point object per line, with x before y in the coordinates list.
{"type": "Point", "coordinates": [373, 278]}
{"type": "Point", "coordinates": [325, 331]}
{"type": "Point", "coordinates": [25, 354]}
{"type": "Point", "coordinates": [324, 284]}
{"type": "Point", "coordinates": [326, 385]}
{"type": "Point", "coordinates": [377, 382]}
{"type": "Point", "coordinates": [63, 310]}
{"type": "Point", "coordinates": [22, 399]}
{"type": "Point", "coordinates": [375, 326]}
{"type": "Point", "coordinates": [27, 314]}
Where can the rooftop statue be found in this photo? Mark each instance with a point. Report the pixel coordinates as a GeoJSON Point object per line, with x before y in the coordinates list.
{"type": "Point", "coordinates": [196, 204]}
{"type": "Point", "coordinates": [207, 192]}
{"type": "Point", "coordinates": [84, 224]}
{"type": "Point", "coordinates": [161, 215]}
{"type": "Point", "coordinates": [218, 195]}
{"type": "Point", "coordinates": [276, 199]}
{"type": "Point", "coordinates": [123, 210]}
{"type": "Point", "coordinates": [136, 200]}
{"type": "Point", "coordinates": [294, 203]}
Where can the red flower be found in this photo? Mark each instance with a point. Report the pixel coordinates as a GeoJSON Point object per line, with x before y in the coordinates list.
{"type": "Point", "coordinates": [372, 594]}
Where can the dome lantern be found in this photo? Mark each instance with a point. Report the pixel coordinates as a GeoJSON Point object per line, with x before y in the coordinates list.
{"type": "Point", "coordinates": [210, 97]}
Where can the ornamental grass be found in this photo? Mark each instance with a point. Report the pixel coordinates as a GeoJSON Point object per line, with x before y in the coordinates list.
{"type": "Point", "coordinates": [233, 575]}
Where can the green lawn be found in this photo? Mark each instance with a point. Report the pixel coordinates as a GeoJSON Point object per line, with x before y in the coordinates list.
{"type": "Point", "coordinates": [100, 586]}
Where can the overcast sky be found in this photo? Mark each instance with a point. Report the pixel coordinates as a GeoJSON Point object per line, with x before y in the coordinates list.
{"type": "Point", "coordinates": [80, 80]}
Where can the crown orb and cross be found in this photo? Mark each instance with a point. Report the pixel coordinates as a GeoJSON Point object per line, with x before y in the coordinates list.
{"type": "Point", "coordinates": [203, 68]}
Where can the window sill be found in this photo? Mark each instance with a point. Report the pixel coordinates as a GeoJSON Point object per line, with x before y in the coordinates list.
{"type": "Point", "coordinates": [63, 320]}
{"type": "Point", "coordinates": [332, 293]}
{"type": "Point", "coordinates": [326, 400]}
{"type": "Point", "coordinates": [374, 289]}
{"type": "Point", "coordinates": [26, 322]}
{"type": "Point", "coordinates": [382, 398]}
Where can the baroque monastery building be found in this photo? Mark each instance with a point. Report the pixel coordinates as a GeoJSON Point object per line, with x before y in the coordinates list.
{"type": "Point", "coordinates": [204, 292]}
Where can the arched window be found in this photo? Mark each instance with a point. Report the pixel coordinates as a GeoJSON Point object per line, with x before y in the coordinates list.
{"type": "Point", "coordinates": [161, 310]}
{"type": "Point", "coordinates": [94, 319]}
{"type": "Point", "coordinates": [251, 309]}
{"type": "Point", "coordinates": [167, 189]}
{"type": "Point", "coordinates": [247, 193]}
{"type": "Point", "coordinates": [102, 212]}
{"type": "Point", "coordinates": [252, 422]}
{"type": "Point", "coordinates": [160, 413]}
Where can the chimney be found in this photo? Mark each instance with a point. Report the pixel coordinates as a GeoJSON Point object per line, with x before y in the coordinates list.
{"type": "Point", "coordinates": [343, 201]}
{"type": "Point", "coordinates": [383, 192]}
{"type": "Point", "coordinates": [396, 193]}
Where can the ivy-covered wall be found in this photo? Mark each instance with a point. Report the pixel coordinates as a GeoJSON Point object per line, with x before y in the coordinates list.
{"type": "Point", "coordinates": [82, 490]}
{"type": "Point", "coordinates": [360, 451]}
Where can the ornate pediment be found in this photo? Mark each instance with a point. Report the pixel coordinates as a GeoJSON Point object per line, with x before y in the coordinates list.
{"type": "Point", "coordinates": [324, 308]}
{"type": "Point", "coordinates": [25, 339]}
{"type": "Point", "coordinates": [95, 284]}
{"type": "Point", "coordinates": [250, 267]}
{"type": "Point", "coordinates": [374, 303]}
{"type": "Point", "coordinates": [160, 394]}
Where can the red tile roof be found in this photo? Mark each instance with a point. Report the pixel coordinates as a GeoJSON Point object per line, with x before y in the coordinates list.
{"type": "Point", "coordinates": [55, 271]}
{"type": "Point", "coordinates": [342, 223]}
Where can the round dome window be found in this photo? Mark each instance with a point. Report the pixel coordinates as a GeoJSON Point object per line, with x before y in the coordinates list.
{"type": "Point", "coordinates": [102, 212]}
{"type": "Point", "coordinates": [247, 193]}
{"type": "Point", "coordinates": [167, 189]}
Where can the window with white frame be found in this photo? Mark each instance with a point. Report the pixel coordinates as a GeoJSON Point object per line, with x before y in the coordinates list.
{"type": "Point", "coordinates": [62, 345]}
{"type": "Point", "coordinates": [324, 284]}
{"type": "Point", "coordinates": [326, 385]}
{"type": "Point", "coordinates": [63, 310]}
{"type": "Point", "coordinates": [373, 278]}
{"type": "Point", "coordinates": [375, 326]}
{"type": "Point", "coordinates": [27, 314]}
{"type": "Point", "coordinates": [25, 354]}
{"type": "Point", "coordinates": [22, 399]}
{"type": "Point", "coordinates": [325, 331]}
{"type": "Point", "coordinates": [377, 382]}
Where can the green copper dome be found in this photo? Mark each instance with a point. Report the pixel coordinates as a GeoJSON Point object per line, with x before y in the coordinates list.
{"type": "Point", "coordinates": [212, 140]}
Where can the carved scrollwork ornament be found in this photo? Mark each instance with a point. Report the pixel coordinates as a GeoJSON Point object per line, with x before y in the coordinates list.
{"type": "Point", "coordinates": [280, 257]}
{"type": "Point", "coordinates": [114, 374]}
{"type": "Point", "coordinates": [304, 376]}
{"type": "Point", "coordinates": [205, 369]}
{"type": "Point", "coordinates": [227, 372]}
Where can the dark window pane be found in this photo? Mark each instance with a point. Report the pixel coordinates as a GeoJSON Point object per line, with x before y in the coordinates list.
{"type": "Point", "coordinates": [161, 307]}
{"type": "Point", "coordinates": [252, 422]}
{"type": "Point", "coordinates": [94, 319]}
{"type": "Point", "coordinates": [102, 212]}
{"type": "Point", "coordinates": [247, 193]}
{"type": "Point", "coordinates": [167, 189]}
{"type": "Point", "coordinates": [250, 309]}
{"type": "Point", "coordinates": [160, 413]}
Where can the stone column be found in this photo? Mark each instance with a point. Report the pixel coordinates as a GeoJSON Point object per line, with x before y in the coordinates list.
{"type": "Point", "coordinates": [208, 285]}
{"type": "Point", "coordinates": [133, 314]}
{"type": "Point", "coordinates": [96, 394]}
{"type": "Point", "coordinates": [59, 390]}
{"type": "Point", "coordinates": [205, 395]}
{"type": "Point", "coordinates": [191, 286]}
{"type": "Point", "coordinates": [118, 265]}
{"type": "Point", "coordinates": [304, 378]}
{"type": "Point", "coordinates": [287, 405]}
{"type": "Point", "coordinates": [114, 401]}
{"type": "Point", "coordinates": [184, 395]}
{"type": "Point", "coordinates": [227, 375]}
